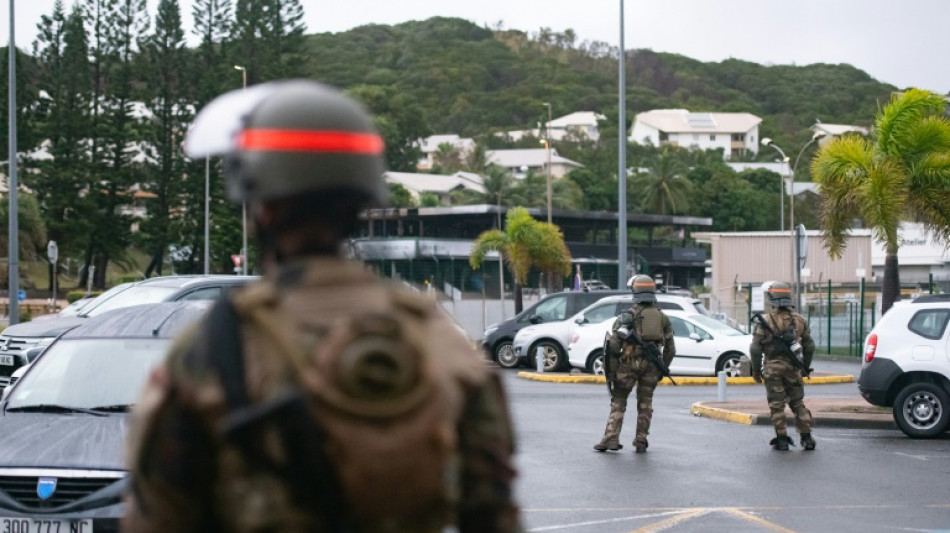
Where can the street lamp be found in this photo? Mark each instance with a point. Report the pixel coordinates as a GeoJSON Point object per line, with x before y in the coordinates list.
{"type": "Point", "coordinates": [13, 263]}
{"type": "Point", "coordinates": [547, 144]}
{"type": "Point", "coordinates": [243, 202]}
{"type": "Point", "coordinates": [768, 142]}
{"type": "Point", "coordinates": [621, 160]}
{"type": "Point", "coordinates": [798, 271]}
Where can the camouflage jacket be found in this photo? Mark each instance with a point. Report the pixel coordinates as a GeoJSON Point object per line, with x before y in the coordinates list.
{"type": "Point", "coordinates": [187, 476]}
{"type": "Point", "coordinates": [778, 321]}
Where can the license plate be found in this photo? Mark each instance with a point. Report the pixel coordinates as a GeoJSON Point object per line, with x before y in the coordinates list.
{"type": "Point", "coordinates": [6, 360]}
{"type": "Point", "coordinates": [44, 525]}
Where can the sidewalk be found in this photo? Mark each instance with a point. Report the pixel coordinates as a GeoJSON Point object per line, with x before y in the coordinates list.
{"type": "Point", "coordinates": [827, 412]}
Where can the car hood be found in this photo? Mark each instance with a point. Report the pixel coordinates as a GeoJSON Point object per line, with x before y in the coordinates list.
{"type": "Point", "coordinates": [53, 440]}
{"type": "Point", "coordinates": [44, 328]}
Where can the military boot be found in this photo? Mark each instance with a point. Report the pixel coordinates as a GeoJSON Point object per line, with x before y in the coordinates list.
{"type": "Point", "coordinates": [641, 444]}
{"type": "Point", "coordinates": [781, 442]}
{"type": "Point", "coordinates": [808, 442]}
{"type": "Point", "coordinates": [612, 444]}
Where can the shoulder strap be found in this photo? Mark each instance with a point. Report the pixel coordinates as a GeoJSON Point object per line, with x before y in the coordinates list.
{"type": "Point", "coordinates": [219, 349]}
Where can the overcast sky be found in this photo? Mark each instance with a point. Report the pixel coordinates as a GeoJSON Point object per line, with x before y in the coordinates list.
{"type": "Point", "coordinates": [904, 42]}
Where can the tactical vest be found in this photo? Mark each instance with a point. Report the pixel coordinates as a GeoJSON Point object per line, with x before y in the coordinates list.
{"type": "Point", "coordinates": [786, 330]}
{"type": "Point", "coordinates": [388, 402]}
{"type": "Point", "coordinates": [649, 323]}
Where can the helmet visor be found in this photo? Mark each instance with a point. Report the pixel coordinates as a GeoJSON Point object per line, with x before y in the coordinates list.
{"type": "Point", "coordinates": [216, 128]}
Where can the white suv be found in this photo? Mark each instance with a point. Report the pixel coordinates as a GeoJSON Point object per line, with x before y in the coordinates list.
{"type": "Point", "coordinates": [906, 365]}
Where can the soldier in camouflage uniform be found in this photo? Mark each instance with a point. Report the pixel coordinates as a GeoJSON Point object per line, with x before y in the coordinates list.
{"type": "Point", "coordinates": [628, 368]}
{"type": "Point", "coordinates": [319, 399]}
{"type": "Point", "coordinates": [782, 336]}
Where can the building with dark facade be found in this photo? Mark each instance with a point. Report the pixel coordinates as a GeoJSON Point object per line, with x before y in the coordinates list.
{"type": "Point", "coordinates": [430, 247]}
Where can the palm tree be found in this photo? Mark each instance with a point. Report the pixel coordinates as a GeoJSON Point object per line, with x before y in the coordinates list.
{"type": "Point", "coordinates": [664, 189]}
{"type": "Point", "coordinates": [525, 244]}
{"type": "Point", "coordinates": [902, 174]}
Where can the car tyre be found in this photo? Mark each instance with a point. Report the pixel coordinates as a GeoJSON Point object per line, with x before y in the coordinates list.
{"type": "Point", "coordinates": [554, 358]}
{"type": "Point", "coordinates": [922, 410]}
{"type": "Point", "coordinates": [730, 362]}
{"type": "Point", "coordinates": [595, 363]}
{"type": "Point", "coordinates": [505, 355]}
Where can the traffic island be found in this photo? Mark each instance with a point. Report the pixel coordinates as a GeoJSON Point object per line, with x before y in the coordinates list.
{"type": "Point", "coordinates": [817, 378]}
{"type": "Point", "coordinates": [826, 412]}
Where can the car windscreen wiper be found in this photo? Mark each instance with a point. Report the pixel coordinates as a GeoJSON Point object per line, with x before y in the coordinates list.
{"type": "Point", "coordinates": [117, 408]}
{"type": "Point", "coordinates": [53, 408]}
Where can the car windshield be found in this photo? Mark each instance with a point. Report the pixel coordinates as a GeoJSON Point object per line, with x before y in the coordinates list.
{"type": "Point", "coordinates": [715, 326]}
{"type": "Point", "coordinates": [128, 296]}
{"type": "Point", "coordinates": [105, 374]}
{"type": "Point", "coordinates": [74, 308]}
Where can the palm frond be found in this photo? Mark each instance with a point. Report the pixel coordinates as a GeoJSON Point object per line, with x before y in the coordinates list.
{"type": "Point", "coordinates": [899, 116]}
{"type": "Point", "coordinates": [883, 198]}
{"type": "Point", "coordinates": [930, 134]}
{"type": "Point", "coordinates": [492, 240]}
{"type": "Point", "coordinates": [840, 167]}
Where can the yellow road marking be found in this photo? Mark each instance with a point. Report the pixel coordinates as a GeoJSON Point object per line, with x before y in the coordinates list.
{"type": "Point", "coordinates": [755, 519]}
{"type": "Point", "coordinates": [670, 522]}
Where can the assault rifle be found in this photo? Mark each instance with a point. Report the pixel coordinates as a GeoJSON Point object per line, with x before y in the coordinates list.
{"type": "Point", "coordinates": [628, 333]}
{"type": "Point", "coordinates": [784, 345]}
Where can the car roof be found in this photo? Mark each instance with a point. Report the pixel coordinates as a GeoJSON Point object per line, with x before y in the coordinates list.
{"type": "Point", "coordinates": [160, 320]}
{"type": "Point", "coordinates": [197, 279]}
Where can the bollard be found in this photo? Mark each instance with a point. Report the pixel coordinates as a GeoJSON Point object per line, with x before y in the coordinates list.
{"type": "Point", "coordinates": [721, 389]}
{"type": "Point", "coordinates": [539, 356]}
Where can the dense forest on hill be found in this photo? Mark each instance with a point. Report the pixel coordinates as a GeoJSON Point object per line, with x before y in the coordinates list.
{"type": "Point", "coordinates": [469, 79]}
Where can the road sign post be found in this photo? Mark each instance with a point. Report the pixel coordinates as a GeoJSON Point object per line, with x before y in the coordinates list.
{"type": "Point", "coordinates": [52, 251]}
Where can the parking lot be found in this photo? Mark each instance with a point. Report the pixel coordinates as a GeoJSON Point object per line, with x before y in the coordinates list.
{"type": "Point", "coordinates": [708, 475]}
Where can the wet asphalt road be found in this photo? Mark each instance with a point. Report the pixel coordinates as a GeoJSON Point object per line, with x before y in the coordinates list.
{"type": "Point", "coordinates": [705, 475]}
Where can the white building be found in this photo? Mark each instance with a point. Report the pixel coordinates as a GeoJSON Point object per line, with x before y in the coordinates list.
{"type": "Point", "coordinates": [919, 256]}
{"type": "Point", "coordinates": [577, 125]}
{"type": "Point", "coordinates": [430, 145]}
{"type": "Point", "coordinates": [834, 130]}
{"type": "Point", "coordinates": [734, 133]}
{"type": "Point", "coordinates": [440, 185]}
{"type": "Point", "coordinates": [519, 161]}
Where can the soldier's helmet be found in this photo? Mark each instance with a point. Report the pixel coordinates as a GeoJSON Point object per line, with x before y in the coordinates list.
{"type": "Point", "coordinates": [643, 288]}
{"type": "Point", "coordinates": [286, 138]}
{"type": "Point", "coordinates": [780, 294]}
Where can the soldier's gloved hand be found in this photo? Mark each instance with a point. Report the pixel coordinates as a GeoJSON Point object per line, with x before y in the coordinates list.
{"type": "Point", "coordinates": [757, 377]}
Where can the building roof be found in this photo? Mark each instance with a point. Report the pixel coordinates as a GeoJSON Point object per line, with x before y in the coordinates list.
{"type": "Point", "coordinates": [431, 143]}
{"type": "Point", "coordinates": [684, 121]}
{"type": "Point", "coordinates": [528, 157]}
{"type": "Point", "coordinates": [839, 129]}
{"type": "Point", "coordinates": [417, 183]}
{"type": "Point", "coordinates": [577, 119]}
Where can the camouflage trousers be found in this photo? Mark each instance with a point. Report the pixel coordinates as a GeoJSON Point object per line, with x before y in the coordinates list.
{"type": "Point", "coordinates": [641, 374]}
{"type": "Point", "coordinates": [783, 384]}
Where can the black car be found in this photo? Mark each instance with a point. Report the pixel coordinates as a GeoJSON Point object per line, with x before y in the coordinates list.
{"type": "Point", "coordinates": [62, 427]}
{"type": "Point", "coordinates": [496, 340]}
{"type": "Point", "coordinates": [17, 340]}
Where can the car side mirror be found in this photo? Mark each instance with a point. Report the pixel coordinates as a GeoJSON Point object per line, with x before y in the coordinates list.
{"type": "Point", "coordinates": [580, 320]}
{"type": "Point", "coordinates": [33, 353]}
{"type": "Point", "coordinates": [535, 319]}
{"type": "Point", "coordinates": [696, 337]}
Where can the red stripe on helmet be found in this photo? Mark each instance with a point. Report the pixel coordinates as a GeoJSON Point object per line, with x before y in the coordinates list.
{"type": "Point", "coordinates": [781, 290]}
{"type": "Point", "coordinates": [311, 141]}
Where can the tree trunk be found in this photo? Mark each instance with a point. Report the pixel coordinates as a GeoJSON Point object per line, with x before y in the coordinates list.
{"type": "Point", "coordinates": [891, 290]}
{"type": "Point", "coordinates": [519, 298]}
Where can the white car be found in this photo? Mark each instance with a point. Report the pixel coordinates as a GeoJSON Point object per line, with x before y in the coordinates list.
{"type": "Point", "coordinates": [553, 337]}
{"type": "Point", "coordinates": [906, 365]}
{"type": "Point", "coordinates": [704, 346]}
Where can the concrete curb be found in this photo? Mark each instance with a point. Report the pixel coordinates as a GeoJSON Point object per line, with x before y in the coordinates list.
{"type": "Point", "coordinates": [556, 377]}
{"type": "Point", "coordinates": [821, 420]}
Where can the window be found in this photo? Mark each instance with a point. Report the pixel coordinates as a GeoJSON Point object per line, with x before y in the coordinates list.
{"type": "Point", "coordinates": [206, 293]}
{"type": "Point", "coordinates": [552, 309]}
{"type": "Point", "coordinates": [929, 323]}
{"type": "Point", "coordinates": [712, 137]}
{"type": "Point", "coordinates": [601, 313]}
{"type": "Point", "coordinates": [664, 136]}
{"type": "Point", "coordinates": [670, 306]}
{"type": "Point", "coordinates": [738, 136]}
{"type": "Point", "coordinates": [679, 327]}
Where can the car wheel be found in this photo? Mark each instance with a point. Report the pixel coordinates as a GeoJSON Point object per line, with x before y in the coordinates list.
{"type": "Point", "coordinates": [554, 359]}
{"type": "Point", "coordinates": [505, 355]}
{"type": "Point", "coordinates": [730, 363]}
{"type": "Point", "coordinates": [920, 410]}
{"type": "Point", "coordinates": [595, 363]}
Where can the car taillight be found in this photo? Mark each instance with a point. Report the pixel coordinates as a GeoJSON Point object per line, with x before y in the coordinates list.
{"type": "Point", "coordinates": [870, 347]}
